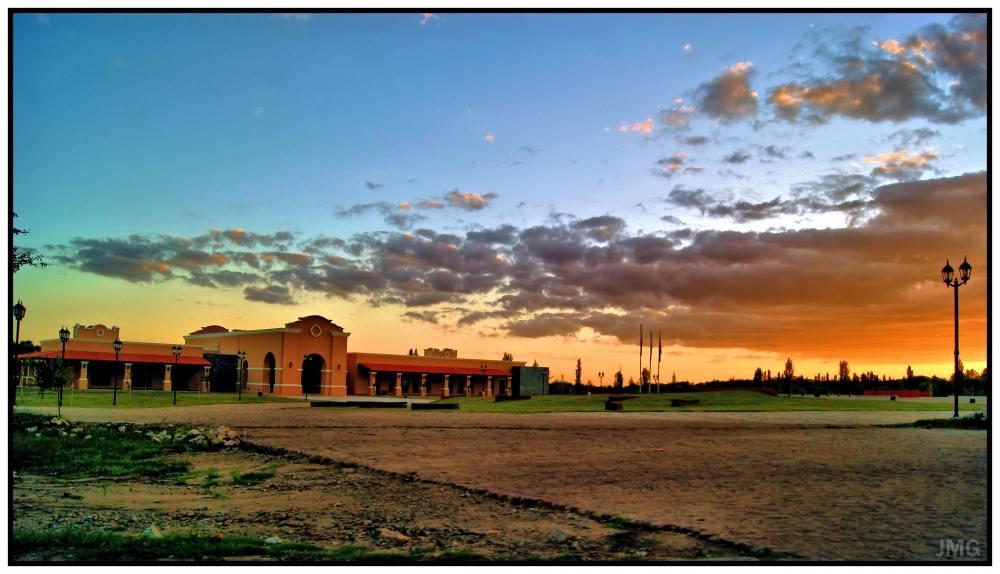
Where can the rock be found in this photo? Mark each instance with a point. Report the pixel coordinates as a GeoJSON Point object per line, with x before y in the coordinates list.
{"type": "Point", "coordinates": [63, 434]}
{"type": "Point", "coordinates": [558, 536]}
{"type": "Point", "coordinates": [394, 537]}
{"type": "Point", "coordinates": [347, 470]}
{"type": "Point", "coordinates": [152, 532]}
{"type": "Point", "coordinates": [88, 437]}
{"type": "Point", "coordinates": [32, 429]}
{"type": "Point", "coordinates": [193, 433]}
{"type": "Point", "coordinates": [272, 540]}
{"type": "Point", "coordinates": [760, 551]}
{"type": "Point", "coordinates": [121, 429]}
{"type": "Point", "coordinates": [202, 508]}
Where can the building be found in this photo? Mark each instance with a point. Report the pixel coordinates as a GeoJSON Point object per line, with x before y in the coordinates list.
{"type": "Point", "coordinates": [305, 357]}
{"type": "Point", "coordinates": [91, 355]}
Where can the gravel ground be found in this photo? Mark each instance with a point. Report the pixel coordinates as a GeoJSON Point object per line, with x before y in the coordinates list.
{"type": "Point", "coordinates": [822, 485]}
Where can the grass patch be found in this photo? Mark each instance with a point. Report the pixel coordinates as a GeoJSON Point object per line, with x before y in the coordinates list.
{"type": "Point", "coordinates": [106, 453]}
{"type": "Point", "coordinates": [975, 422]}
{"type": "Point", "coordinates": [619, 523]}
{"type": "Point", "coordinates": [101, 399]}
{"type": "Point", "coordinates": [251, 478]}
{"type": "Point", "coordinates": [738, 401]}
{"type": "Point", "coordinates": [111, 546]}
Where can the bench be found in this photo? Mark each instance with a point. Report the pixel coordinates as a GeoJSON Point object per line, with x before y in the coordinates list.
{"type": "Point", "coordinates": [614, 406]}
{"type": "Point", "coordinates": [433, 406]}
{"type": "Point", "coordinates": [501, 398]}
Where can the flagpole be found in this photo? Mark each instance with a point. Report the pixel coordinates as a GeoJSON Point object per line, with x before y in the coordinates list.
{"type": "Point", "coordinates": [650, 389]}
{"type": "Point", "coordinates": [640, 358]}
{"type": "Point", "coordinates": [659, 356]}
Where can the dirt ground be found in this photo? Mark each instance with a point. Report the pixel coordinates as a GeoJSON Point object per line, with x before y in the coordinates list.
{"type": "Point", "coordinates": [334, 506]}
{"type": "Point", "coordinates": [821, 485]}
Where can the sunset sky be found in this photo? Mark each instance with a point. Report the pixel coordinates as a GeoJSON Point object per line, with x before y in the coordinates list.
{"type": "Point", "coordinates": [751, 186]}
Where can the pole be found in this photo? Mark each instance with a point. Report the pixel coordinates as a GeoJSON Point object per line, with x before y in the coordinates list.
{"type": "Point", "coordinates": [640, 358]}
{"type": "Point", "coordinates": [114, 398]}
{"type": "Point", "coordinates": [958, 373]}
{"type": "Point", "coordinates": [650, 373]}
{"type": "Point", "coordinates": [173, 384]}
{"type": "Point", "coordinates": [17, 364]}
{"type": "Point", "coordinates": [60, 393]}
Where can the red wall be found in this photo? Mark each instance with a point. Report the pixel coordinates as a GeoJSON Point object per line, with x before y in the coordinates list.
{"type": "Point", "coordinates": [769, 390]}
{"type": "Point", "coordinates": [905, 394]}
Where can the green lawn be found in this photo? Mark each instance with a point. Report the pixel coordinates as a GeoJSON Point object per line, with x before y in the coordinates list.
{"type": "Point", "coordinates": [718, 401]}
{"type": "Point", "coordinates": [138, 399]}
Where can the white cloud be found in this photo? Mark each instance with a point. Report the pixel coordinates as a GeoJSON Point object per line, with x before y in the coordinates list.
{"type": "Point", "coordinates": [427, 16]}
{"type": "Point", "coordinates": [257, 111]}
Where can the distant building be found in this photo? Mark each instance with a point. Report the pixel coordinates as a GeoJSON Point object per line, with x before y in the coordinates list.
{"type": "Point", "coordinates": [305, 357]}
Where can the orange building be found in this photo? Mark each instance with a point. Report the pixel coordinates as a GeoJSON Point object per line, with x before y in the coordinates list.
{"type": "Point", "coordinates": [90, 354]}
{"type": "Point", "coordinates": [305, 357]}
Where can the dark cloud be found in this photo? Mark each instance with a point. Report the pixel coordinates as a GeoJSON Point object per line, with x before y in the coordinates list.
{"type": "Point", "coordinates": [273, 294]}
{"type": "Point", "coordinates": [803, 291]}
{"type": "Point", "coordinates": [425, 316]}
{"type": "Point", "coordinates": [896, 81]}
{"type": "Point", "coordinates": [806, 155]}
{"type": "Point", "coordinates": [909, 138]}
{"type": "Point", "coordinates": [398, 216]}
{"type": "Point", "coordinates": [693, 140]}
{"type": "Point", "coordinates": [776, 151]}
{"type": "Point", "coordinates": [845, 157]}
{"type": "Point", "coordinates": [729, 96]}
{"type": "Point", "coordinates": [738, 156]}
{"type": "Point", "coordinates": [672, 220]}
{"type": "Point", "coordinates": [373, 185]}
{"type": "Point", "coordinates": [529, 149]}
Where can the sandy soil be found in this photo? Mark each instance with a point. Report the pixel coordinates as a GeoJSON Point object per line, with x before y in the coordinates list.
{"type": "Point", "coordinates": [331, 506]}
{"type": "Point", "coordinates": [822, 485]}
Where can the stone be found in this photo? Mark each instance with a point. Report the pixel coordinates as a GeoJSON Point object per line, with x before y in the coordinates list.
{"type": "Point", "coordinates": [152, 532]}
{"type": "Point", "coordinates": [121, 429]}
{"type": "Point", "coordinates": [30, 430]}
{"type": "Point", "coordinates": [558, 536]}
{"type": "Point", "coordinates": [272, 540]}
{"type": "Point", "coordinates": [396, 538]}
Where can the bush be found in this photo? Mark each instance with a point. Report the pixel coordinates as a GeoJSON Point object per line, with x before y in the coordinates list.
{"type": "Point", "coordinates": [821, 390]}
{"type": "Point", "coordinates": [858, 390]}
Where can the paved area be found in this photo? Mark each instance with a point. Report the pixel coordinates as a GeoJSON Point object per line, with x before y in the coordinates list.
{"type": "Point", "coordinates": [823, 485]}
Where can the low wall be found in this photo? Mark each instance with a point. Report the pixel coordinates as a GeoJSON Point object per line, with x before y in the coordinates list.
{"type": "Point", "coordinates": [902, 394]}
{"type": "Point", "coordinates": [768, 390]}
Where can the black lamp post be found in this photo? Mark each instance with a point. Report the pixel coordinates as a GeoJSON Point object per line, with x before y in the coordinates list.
{"type": "Point", "coordinates": [176, 350]}
{"type": "Point", "coordinates": [600, 375]}
{"type": "Point", "coordinates": [483, 369]}
{"type": "Point", "coordinates": [948, 274]}
{"type": "Point", "coordinates": [18, 315]}
{"type": "Point", "coordinates": [63, 336]}
{"type": "Point", "coordinates": [241, 356]}
{"type": "Point", "coordinates": [118, 347]}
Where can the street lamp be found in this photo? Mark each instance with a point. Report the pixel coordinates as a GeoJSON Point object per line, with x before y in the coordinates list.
{"type": "Point", "coordinates": [305, 391]}
{"type": "Point", "coordinates": [118, 347]}
{"type": "Point", "coordinates": [483, 369]}
{"type": "Point", "coordinates": [948, 274]}
{"type": "Point", "coordinates": [63, 336]}
{"type": "Point", "coordinates": [18, 315]}
{"type": "Point", "coordinates": [176, 350]}
{"type": "Point", "coordinates": [241, 356]}
{"type": "Point", "coordinates": [600, 375]}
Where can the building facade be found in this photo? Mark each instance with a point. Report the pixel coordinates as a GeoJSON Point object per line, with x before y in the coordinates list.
{"type": "Point", "coordinates": [305, 357]}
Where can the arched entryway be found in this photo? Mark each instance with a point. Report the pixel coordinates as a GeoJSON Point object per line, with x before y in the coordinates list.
{"type": "Point", "coordinates": [269, 371]}
{"type": "Point", "coordinates": [312, 374]}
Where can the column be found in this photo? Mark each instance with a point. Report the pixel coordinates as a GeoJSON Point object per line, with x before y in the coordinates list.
{"type": "Point", "coordinates": [167, 384]}
{"type": "Point", "coordinates": [83, 376]}
{"type": "Point", "coordinates": [371, 383]}
{"type": "Point", "coordinates": [468, 385]}
{"type": "Point", "coordinates": [507, 385]}
{"type": "Point", "coordinates": [127, 379]}
{"type": "Point", "coordinates": [445, 391]}
{"type": "Point", "coordinates": [204, 381]}
{"type": "Point", "coordinates": [423, 384]}
{"type": "Point", "coordinates": [489, 386]}
{"type": "Point", "coordinates": [399, 384]}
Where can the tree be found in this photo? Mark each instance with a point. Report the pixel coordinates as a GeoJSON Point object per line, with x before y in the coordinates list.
{"type": "Point", "coordinates": [535, 364]}
{"type": "Point", "coordinates": [673, 378]}
{"type": "Point", "coordinates": [579, 372]}
{"type": "Point", "coordinates": [844, 371]}
{"type": "Point", "coordinates": [53, 374]}
{"type": "Point", "coordinates": [789, 369]}
{"type": "Point", "coordinates": [619, 379]}
{"type": "Point", "coordinates": [18, 258]}
{"type": "Point", "coordinates": [507, 357]}
{"type": "Point", "coordinates": [25, 347]}
{"type": "Point", "coordinates": [644, 377]}
{"type": "Point", "coordinates": [758, 376]}
{"type": "Point", "coordinates": [909, 372]}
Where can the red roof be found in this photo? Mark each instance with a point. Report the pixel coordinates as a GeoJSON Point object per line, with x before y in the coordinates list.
{"type": "Point", "coordinates": [122, 357]}
{"type": "Point", "coordinates": [432, 369]}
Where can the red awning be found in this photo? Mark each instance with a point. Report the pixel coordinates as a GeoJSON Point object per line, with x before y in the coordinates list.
{"type": "Point", "coordinates": [122, 357]}
{"type": "Point", "coordinates": [425, 369]}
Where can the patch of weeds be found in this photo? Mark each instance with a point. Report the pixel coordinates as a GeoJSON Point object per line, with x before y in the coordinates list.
{"type": "Point", "coordinates": [210, 477]}
{"type": "Point", "coordinates": [106, 453]}
{"type": "Point", "coordinates": [619, 523]}
{"type": "Point", "coordinates": [457, 556]}
{"type": "Point", "coordinates": [975, 422]}
{"type": "Point", "coordinates": [251, 478]}
{"type": "Point", "coordinates": [103, 546]}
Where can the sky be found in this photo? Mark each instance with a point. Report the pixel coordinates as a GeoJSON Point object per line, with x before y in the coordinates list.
{"type": "Point", "coordinates": [749, 187]}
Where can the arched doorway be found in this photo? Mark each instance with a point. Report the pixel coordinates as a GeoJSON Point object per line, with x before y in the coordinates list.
{"type": "Point", "coordinates": [312, 374]}
{"type": "Point", "coordinates": [269, 368]}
